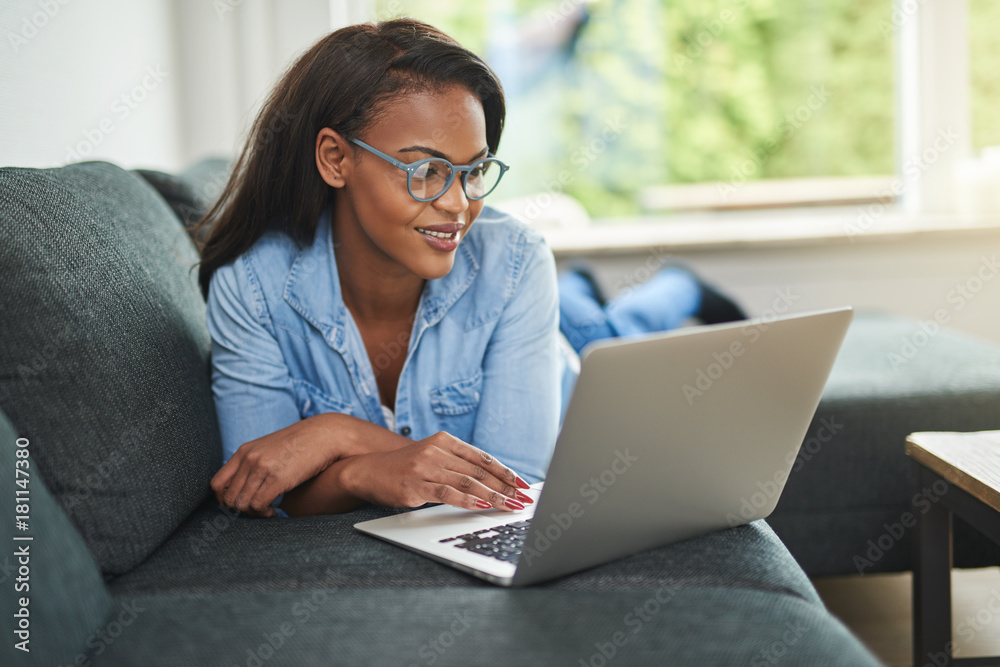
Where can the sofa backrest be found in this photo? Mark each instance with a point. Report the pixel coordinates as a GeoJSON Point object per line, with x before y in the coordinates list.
{"type": "Point", "coordinates": [104, 360]}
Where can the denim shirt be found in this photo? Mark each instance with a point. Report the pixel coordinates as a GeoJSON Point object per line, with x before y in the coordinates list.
{"type": "Point", "coordinates": [483, 361]}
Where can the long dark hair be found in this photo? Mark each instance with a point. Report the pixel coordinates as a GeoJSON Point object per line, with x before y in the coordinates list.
{"type": "Point", "coordinates": [342, 83]}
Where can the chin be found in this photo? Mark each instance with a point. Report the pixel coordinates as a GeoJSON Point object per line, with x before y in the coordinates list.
{"type": "Point", "coordinates": [432, 270]}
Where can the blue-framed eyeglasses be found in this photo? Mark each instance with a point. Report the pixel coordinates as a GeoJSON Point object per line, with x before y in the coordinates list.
{"type": "Point", "coordinates": [430, 178]}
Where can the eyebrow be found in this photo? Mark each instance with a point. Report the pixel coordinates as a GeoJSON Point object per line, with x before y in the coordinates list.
{"type": "Point", "coordinates": [431, 151]}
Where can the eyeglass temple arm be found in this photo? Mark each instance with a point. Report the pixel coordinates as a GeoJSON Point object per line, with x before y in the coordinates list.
{"type": "Point", "coordinates": [388, 158]}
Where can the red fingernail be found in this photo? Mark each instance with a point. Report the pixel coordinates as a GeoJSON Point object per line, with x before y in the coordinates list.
{"type": "Point", "coordinates": [513, 504]}
{"type": "Point", "coordinates": [482, 504]}
{"type": "Point", "coordinates": [521, 484]}
{"type": "Point", "coordinates": [524, 497]}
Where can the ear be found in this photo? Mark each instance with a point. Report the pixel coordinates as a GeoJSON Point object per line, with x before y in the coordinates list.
{"type": "Point", "coordinates": [333, 157]}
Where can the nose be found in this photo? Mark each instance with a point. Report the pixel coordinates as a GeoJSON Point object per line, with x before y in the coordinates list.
{"type": "Point", "coordinates": [453, 200]}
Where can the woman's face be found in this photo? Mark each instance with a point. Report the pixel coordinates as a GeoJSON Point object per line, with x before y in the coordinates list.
{"type": "Point", "coordinates": [448, 123]}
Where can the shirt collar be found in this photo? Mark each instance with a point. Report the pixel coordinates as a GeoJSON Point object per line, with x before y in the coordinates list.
{"type": "Point", "coordinates": [312, 288]}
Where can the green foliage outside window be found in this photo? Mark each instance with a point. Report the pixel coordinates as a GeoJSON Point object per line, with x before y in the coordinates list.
{"type": "Point", "coordinates": [655, 92]}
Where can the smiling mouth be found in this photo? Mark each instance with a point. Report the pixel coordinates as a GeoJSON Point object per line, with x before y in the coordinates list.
{"type": "Point", "coordinates": [439, 235]}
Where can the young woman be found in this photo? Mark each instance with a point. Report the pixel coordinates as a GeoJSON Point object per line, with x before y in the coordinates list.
{"type": "Point", "coordinates": [377, 334]}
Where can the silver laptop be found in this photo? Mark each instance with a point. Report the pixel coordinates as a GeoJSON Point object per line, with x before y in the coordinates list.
{"type": "Point", "coordinates": [667, 436]}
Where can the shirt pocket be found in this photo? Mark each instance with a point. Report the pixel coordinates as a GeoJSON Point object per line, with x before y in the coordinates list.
{"type": "Point", "coordinates": [455, 405]}
{"type": "Point", "coordinates": [313, 401]}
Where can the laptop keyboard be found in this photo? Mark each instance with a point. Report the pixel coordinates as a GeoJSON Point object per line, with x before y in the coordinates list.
{"type": "Point", "coordinates": [502, 542]}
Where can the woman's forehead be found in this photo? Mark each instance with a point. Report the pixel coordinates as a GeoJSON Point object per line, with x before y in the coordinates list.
{"type": "Point", "coordinates": [450, 120]}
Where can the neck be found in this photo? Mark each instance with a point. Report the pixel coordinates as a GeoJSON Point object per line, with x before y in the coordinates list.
{"type": "Point", "coordinates": [374, 287]}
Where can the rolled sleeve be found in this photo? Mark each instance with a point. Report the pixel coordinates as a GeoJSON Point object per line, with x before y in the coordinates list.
{"type": "Point", "coordinates": [518, 415]}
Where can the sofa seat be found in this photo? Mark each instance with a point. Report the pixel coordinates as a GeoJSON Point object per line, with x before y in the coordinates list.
{"type": "Point", "coordinates": [697, 626]}
{"type": "Point", "coordinates": [731, 597]}
{"type": "Point", "coordinates": [213, 552]}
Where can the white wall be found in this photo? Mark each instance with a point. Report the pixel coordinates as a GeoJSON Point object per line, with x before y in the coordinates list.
{"type": "Point", "coordinates": [231, 53]}
{"type": "Point", "coordinates": [88, 80]}
{"type": "Point", "coordinates": [154, 83]}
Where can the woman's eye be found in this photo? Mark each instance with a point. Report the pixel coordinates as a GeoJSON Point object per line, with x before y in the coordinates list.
{"type": "Point", "coordinates": [430, 170]}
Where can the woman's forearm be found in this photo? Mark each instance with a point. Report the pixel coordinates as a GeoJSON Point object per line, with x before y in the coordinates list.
{"type": "Point", "coordinates": [346, 435]}
{"type": "Point", "coordinates": [323, 494]}
{"type": "Point", "coordinates": [438, 469]}
{"type": "Point", "coordinates": [326, 493]}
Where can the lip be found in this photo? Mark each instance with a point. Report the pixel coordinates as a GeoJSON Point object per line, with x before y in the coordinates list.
{"type": "Point", "coordinates": [444, 229]}
{"type": "Point", "coordinates": [442, 245]}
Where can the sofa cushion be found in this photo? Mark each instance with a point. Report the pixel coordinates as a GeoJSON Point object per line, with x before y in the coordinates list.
{"type": "Point", "coordinates": [208, 554]}
{"type": "Point", "coordinates": [318, 592]}
{"type": "Point", "coordinates": [699, 627]}
{"type": "Point", "coordinates": [104, 362]}
{"type": "Point", "coordinates": [191, 192]}
{"type": "Point", "coordinates": [66, 599]}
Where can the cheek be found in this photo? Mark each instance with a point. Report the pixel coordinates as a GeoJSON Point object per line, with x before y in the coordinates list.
{"type": "Point", "coordinates": [386, 202]}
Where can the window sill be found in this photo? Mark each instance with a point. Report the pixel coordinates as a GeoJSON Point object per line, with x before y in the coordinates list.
{"type": "Point", "coordinates": [790, 227]}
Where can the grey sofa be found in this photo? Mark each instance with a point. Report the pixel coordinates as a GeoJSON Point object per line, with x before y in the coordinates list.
{"type": "Point", "coordinates": [104, 382]}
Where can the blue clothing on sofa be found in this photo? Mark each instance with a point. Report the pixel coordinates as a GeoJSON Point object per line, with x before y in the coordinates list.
{"type": "Point", "coordinates": [484, 362]}
{"type": "Point", "coordinates": [661, 303]}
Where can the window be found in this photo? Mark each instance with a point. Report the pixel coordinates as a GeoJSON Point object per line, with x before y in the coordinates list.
{"type": "Point", "coordinates": [984, 18]}
{"type": "Point", "coordinates": [612, 99]}
{"type": "Point", "coordinates": [656, 106]}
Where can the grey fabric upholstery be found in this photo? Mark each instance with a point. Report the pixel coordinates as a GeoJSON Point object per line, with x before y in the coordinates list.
{"type": "Point", "coordinates": [699, 627]}
{"type": "Point", "coordinates": [104, 362]}
{"type": "Point", "coordinates": [191, 192]}
{"type": "Point", "coordinates": [318, 592]}
{"type": "Point", "coordinates": [209, 554]}
{"type": "Point", "coordinates": [851, 483]}
{"type": "Point", "coordinates": [67, 601]}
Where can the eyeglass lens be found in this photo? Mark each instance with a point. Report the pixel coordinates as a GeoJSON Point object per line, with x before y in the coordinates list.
{"type": "Point", "coordinates": [430, 179]}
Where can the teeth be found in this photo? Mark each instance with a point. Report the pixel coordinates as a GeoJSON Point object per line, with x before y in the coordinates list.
{"type": "Point", "coordinates": [440, 235]}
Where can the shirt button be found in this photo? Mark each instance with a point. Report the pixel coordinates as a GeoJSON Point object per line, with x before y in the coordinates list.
{"type": "Point", "coordinates": [405, 430]}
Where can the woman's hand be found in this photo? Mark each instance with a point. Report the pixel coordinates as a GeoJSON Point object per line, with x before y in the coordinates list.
{"type": "Point", "coordinates": [264, 468]}
{"type": "Point", "coordinates": [438, 469]}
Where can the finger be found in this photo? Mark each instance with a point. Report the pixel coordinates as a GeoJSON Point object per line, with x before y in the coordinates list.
{"type": "Point", "coordinates": [488, 462]}
{"type": "Point", "coordinates": [236, 483]}
{"type": "Point", "coordinates": [469, 486]}
{"type": "Point", "coordinates": [481, 475]}
{"type": "Point", "coordinates": [224, 475]}
{"type": "Point", "coordinates": [265, 495]}
{"type": "Point", "coordinates": [449, 495]}
{"type": "Point", "coordinates": [250, 487]}
{"type": "Point", "coordinates": [218, 492]}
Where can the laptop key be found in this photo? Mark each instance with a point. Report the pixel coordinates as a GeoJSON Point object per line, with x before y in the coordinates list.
{"type": "Point", "coordinates": [502, 542]}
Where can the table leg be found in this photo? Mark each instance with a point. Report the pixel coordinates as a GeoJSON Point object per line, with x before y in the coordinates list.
{"type": "Point", "coordinates": [932, 580]}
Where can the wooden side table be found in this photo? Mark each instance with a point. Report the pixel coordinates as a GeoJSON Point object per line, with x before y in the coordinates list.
{"type": "Point", "coordinates": [953, 473]}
